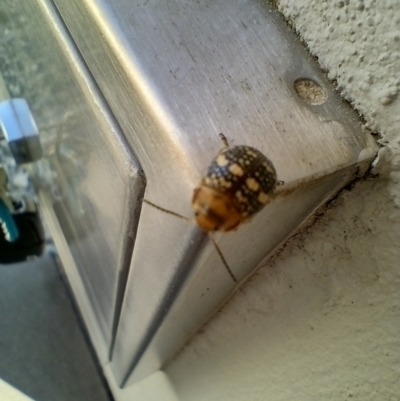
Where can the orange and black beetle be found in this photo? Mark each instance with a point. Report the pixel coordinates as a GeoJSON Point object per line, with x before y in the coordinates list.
{"type": "Point", "coordinates": [237, 185]}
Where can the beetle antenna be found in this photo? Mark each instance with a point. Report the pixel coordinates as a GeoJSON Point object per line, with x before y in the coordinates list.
{"type": "Point", "coordinates": [166, 210]}
{"type": "Point", "coordinates": [224, 140]}
{"type": "Point", "coordinates": [222, 257]}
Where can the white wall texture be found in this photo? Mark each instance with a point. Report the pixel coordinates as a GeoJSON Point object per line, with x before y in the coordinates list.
{"type": "Point", "coordinates": [321, 321]}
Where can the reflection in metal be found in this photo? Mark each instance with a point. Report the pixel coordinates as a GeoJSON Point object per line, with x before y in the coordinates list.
{"type": "Point", "coordinates": [88, 171]}
{"type": "Point", "coordinates": [19, 130]}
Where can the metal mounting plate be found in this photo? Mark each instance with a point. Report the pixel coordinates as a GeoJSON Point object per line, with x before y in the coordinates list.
{"type": "Point", "coordinates": [176, 74]}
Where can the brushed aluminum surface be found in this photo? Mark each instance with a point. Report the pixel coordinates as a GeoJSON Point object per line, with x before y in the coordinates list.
{"type": "Point", "coordinates": [88, 170]}
{"type": "Point", "coordinates": [176, 74]}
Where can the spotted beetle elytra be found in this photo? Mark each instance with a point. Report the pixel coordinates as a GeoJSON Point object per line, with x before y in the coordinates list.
{"type": "Point", "coordinates": [238, 183]}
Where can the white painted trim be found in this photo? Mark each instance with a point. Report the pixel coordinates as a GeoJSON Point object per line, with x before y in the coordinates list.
{"type": "Point", "coordinates": [155, 387]}
{"type": "Point", "coordinates": [10, 393]}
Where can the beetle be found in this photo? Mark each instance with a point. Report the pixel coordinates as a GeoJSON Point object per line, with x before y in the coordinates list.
{"type": "Point", "coordinates": [237, 184]}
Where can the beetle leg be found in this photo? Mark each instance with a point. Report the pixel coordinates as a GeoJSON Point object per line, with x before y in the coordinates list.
{"type": "Point", "coordinates": [212, 239]}
{"type": "Point", "coordinates": [166, 210]}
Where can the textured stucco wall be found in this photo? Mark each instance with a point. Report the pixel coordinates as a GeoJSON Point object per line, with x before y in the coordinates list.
{"type": "Point", "coordinates": [321, 321]}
